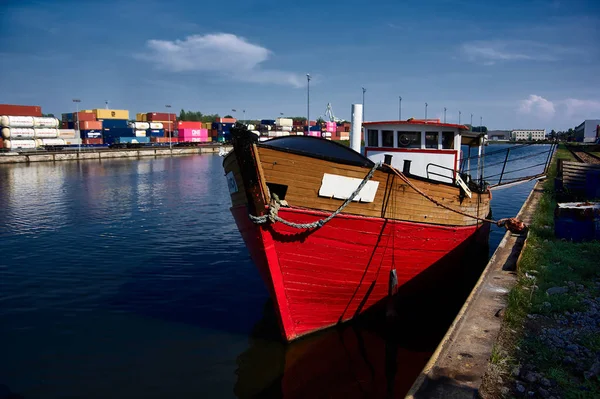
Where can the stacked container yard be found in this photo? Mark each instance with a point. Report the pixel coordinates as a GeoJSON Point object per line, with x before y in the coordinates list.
{"type": "Point", "coordinates": [84, 123]}
{"type": "Point", "coordinates": [193, 132]}
{"type": "Point", "coordinates": [222, 126]}
{"type": "Point", "coordinates": [160, 126]}
{"type": "Point", "coordinates": [116, 128]}
{"type": "Point", "coordinates": [29, 132]}
{"type": "Point", "coordinates": [18, 110]}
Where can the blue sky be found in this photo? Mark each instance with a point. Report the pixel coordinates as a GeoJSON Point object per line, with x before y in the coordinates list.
{"type": "Point", "coordinates": [517, 64]}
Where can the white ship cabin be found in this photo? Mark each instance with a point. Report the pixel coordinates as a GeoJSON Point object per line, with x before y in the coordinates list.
{"type": "Point", "coordinates": [433, 148]}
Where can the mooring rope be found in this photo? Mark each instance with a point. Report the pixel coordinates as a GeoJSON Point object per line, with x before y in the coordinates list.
{"type": "Point", "coordinates": [512, 224]}
{"type": "Point", "coordinates": [276, 204]}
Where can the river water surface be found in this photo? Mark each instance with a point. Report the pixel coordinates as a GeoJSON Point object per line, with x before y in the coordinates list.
{"type": "Point", "coordinates": [129, 279]}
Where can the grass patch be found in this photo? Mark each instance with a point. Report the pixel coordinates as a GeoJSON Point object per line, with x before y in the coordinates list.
{"type": "Point", "coordinates": [547, 262]}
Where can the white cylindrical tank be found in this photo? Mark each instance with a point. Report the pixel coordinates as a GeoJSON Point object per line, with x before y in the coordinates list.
{"type": "Point", "coordinates": [20, 144]}
{"type": "Point", "coordinates": [140, 133]}
{"type": "Point", "coordinates": [284, 122]}
{"type": "Point", "coordinates": [46, 133]}
{"type": "Point", "coordinates": [16, 121]}
{"type": "Point", "coordinates": [356, 129]}
{"type": "Point", "coordinates": [251, 127]}
{"type": "Point", "coordinates": [140, 125]}
{"type": "Point", "coordinates": [18, 133]}
{"type": "Point", "coordinates": [45, 122]}
{"type": "Point", "coordinates": [49, 142]}
{"type": "Point", "coordinates": [156, 125]}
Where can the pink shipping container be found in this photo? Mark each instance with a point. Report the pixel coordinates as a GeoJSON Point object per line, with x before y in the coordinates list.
{"type": "Point", "coordinates": [314, 134]}
{"type": "Point", "coordinates": [194, 135]}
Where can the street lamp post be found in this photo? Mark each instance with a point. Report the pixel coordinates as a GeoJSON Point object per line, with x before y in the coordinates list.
{"type": "Point", "coordinates": [444, 114]}
{"type": "Point", "coordinates": [308, 104]}
{"type": "Point", "coordinates": [426, 111]}
{"type": "Point", "coordinates": [471, 122]}
{"type": "Point", "coordinates": [171, 130]}
{"type": "Point", "coordinates": [77, 101]}
{"type": "Point", "coordinates": [244, 113]}
{"type": "Point", "coordinates": [399, 108]}
{"type": "Point", "coordinates": [459, 117]}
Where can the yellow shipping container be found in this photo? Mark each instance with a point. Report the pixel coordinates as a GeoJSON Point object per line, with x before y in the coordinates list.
{"type": "Point", "coordinates": [88, 111]}
{"type": "Point", "coordinates": [111, 113]}
{"type": "Point", "coordinates": [207, 125]}
{"type": "Point", "coordinates": [140, 117]}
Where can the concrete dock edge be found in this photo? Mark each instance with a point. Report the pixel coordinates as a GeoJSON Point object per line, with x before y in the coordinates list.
{"type": "Point", "coordinates": [456, 368]}
{"type": "Point", "coordinates": [9, 158]}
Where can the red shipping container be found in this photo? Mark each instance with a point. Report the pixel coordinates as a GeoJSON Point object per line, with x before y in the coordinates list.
{"type": "Point", "coordinates": [1, 143]}
{"type": "Point", "coordinates": [90, 125]}
{"type": "Point", "coordinates": [91, 141]}
{"type": "Point", "coordinates": [20, 110]}
{"type": "Point", "coordinates": [84, 116]}
{"type": "Point", "coordinates": [64, 125]}
{"type": "Point", "coordinates": [160, 116]}
{"type": "Point", "coordinates": [168, 126]}
{"type": "Point", "coordinates": [214, 133]}
{"type": "Point", "coordinates": [226, 120]}
{"type": "Point", "coordinates": [163, 139]}
{"type": "Point", "coordinates": [189, 125]}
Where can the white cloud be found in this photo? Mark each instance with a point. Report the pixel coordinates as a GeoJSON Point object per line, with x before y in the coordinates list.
{"type": "Point", "coordinates": [537, 106]}
{"type": "Point", "coordinates": [488, 52]}
{"type": "Point", "coordinates": [221, 53]}
{"type": "Point", "coordinates": [586, 109]}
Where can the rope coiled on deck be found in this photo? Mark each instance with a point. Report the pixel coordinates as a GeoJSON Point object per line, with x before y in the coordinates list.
{"type": "Point", "coordinates": [275, 204]}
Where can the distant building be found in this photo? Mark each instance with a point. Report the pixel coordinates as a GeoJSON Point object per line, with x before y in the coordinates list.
{"type": "Point", "coordinates": [587, 132]}
{"type": "Point", "coordinates": [528, 134]}
{"type": "Point", "coordinates": [499, 135]}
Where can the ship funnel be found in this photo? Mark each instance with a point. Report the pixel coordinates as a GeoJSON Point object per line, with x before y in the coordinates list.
{"type": "Point", "coordinates": [356, 129]}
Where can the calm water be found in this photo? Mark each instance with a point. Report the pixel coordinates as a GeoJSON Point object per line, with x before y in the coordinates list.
{"type": "Point", "coordinates": [128, 278]}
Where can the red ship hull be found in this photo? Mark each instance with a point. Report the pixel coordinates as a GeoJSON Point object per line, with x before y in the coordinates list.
{"type": "Point", "coordinates": [330, 275]}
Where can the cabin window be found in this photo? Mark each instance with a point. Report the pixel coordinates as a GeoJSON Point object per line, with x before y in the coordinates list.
{"type": "Point", "coordinates": [448, 140]}
{"type": "Point", "coordinates": [409, 139]}
{"type": "Point", "coordinates": [387, 138]}
{"type": "Point", "coordinates": [431, 140]}
{"type": "Point", "coordinates": [373, 138]}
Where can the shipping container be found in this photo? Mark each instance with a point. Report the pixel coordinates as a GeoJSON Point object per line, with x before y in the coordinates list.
{"type": "Point", "coordinates": [284, 122]}
{"type": "Point", "coordinates": [16, 121]}
{"type": "Point", "coordinates": [163, 139]}
{"type": "Point", "coordinates": [68, 117]}
{"type": "Point", "coordinates": [156, 125]}
{"type": "Point", "coordinates": [118, 132]}
{"type": "Point", "coordinates": [70, 125]}
{"type": "Point", "coordinates": [20, 110]}
{"type": "Point", "coordinates": [189, 125]}
{"type": "Point", "coordinates": [140, 133]}
{"type": "Point", "coordinates": [67, 133]}
{"type": "Point", "coordinates": [123, 140]}
{"type": "Point", "coordinates": [46, 133]}
{"type": "Point", "coordinates": [167, 125]}
{"type": "Point", "coordinates": [115, 124]}
{"type": "Point", "coordinates": [90, 125]}
{"type": "Point", "coordinates": [83, 116]}
{"type": "Point", "coordinates": [20, 144]}
{"type": "Point", "coordinates": [91, 141]}
{"type": "Point", "coordinates": [1, 143]}
{"type": "Point", "coordinates": [267, 121]}
{"type": "Point", "coordinates": [139, 125]}
{"type": "Point", "coordinates": [226, 120]}
{"type": "Point", "coordinates": [111, 113]}
{"type": "Point", "coordinates": [139, 117]}
{"type": "Point", "coordinates": [18, 133]}
{"type": "Point", "coordinates": [45, 122]}
{"type": "Point", "coordinates": [160, 116]}
{"type": "Point", "coordinates": [64, 125]}
{"type": "Point", "coordinates": [90, 134]}
{"type": "Point", "coordinates": [155, 133]}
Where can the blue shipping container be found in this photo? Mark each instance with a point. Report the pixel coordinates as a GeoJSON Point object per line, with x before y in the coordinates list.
{"type": "Point", "coordinates": [71, 125]}
{"type": "Point", "coordinates": [115, 123]}
{"type": "Point", "coordinates": [90, 134]}
{"type": "Point", "coordinates": [118, 132]}
{"type": "Point", "coordinates": [123, 140]}
{"type": "Point", "coordinates": [222, 127]}
{"type": "Point", "coordinates": [155, 133]}
{"type": "Point", "coordinates": [267, 121]}
{"type": "Point", "coordinates": [67, 117]}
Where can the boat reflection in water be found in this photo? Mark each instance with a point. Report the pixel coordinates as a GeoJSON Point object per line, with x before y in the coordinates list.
{"type": "Point", "coordinates": [371, 356]}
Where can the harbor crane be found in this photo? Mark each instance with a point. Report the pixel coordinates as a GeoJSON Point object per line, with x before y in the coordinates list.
{"type": "Point", "coordinates": [328, 116]}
